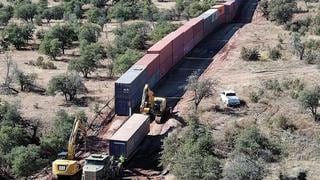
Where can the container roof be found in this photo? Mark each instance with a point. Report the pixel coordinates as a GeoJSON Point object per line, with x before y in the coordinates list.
{"type": "Point", "coordinates": [131, 74]}
{"type": "Point", "coordinates": [127, 130]}
{"type": "Point", "coordinates": [208, 13]}
{"type": "Point", "coordinates": [147, 59]}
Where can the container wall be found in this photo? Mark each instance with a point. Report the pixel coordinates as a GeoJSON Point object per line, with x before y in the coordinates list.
{"type": "Point", "coordinates": [117, 148]}
{"type": "Point", "coordinates": [128, 88]}
{"type": "Point", "coordinates": [197, 30]}
{"type": "Point", "coordinates": [177, 46]}
{"type": "Point", "coordinates": [130, 82]}
{"type": "Point", "coordinates": [188, 38]}
{"type": "Point", "coordinates": [151, 61]}
{"type": "Point", "coordinates": [137, 138]}
{"type": "Point", "coordinates": [209, 21]}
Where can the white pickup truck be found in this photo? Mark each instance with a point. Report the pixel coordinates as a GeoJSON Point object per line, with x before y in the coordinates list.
{"type": "Point", "coordinates": [230, 98]}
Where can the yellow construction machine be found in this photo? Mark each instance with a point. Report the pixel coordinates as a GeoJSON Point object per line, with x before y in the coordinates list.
{"type": "Point", "coordinates": [154, 106]}
{"type": "Point", "coordinates": [66, 165]}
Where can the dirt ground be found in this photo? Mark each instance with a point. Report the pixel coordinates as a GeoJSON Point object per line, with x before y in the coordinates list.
{"type": "Point", "coordinates": [231, 72]}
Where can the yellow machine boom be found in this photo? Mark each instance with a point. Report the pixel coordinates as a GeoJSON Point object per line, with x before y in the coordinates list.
{"type": "Point", "coordinates": [68, 166]}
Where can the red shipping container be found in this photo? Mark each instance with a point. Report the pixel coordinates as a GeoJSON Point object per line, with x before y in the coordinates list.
{"type": "Point", "coordinates": [188, 37]}
{"type": "Point", "coordinates": [164, 68]}
{"type": "Point", "coordinates": [151, 61]}
{"type": "Point", "coordinates": [177, 38]}
{"type": "Point", "coordinates": [197, 25]}
{"type": "Point", "coordinates": [164, 49]}
{"type": "Point", "coordinates": [220, 8]}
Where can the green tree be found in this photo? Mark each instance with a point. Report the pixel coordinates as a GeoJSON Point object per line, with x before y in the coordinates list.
{"type": "Point", "coordinates": [161, 29]}
{"type": "Point", "coordinates": [9, 114]}
{"type": "Point", "coordinates": [124, 10]}
{"type": "Point", "coordinates": [98, 3]}
{"type": "Point", "coordinates": [310, 100]}
{"type": "Point", "coordinates": [11, 137]}
{"type": "Point", "coordinates": [281, 11]}
{"type": "Point", "coordinates": [25, 11]}
{"type": "Point", "coordinates": [24, 80]}
{"type": "Point", "coordinates": [133, 36]}
{"type": "Point", "coordinates": [18, 35]}
{"type": "Point", "coordinates": [89, 32]}
{"type": "Point", "coordinates": [90, 56]}
{"type": "Point", "coordinates": [126, 60]}
{"type": "Point", "coordinates": [65, 34]}
{"type": "Point", "coordinates": [148, 10]}
{"type": "Point", "coordinates": [6, 14]}
{"type": "Point", "coordinates": [20, 157]}
{"type": "Point", "coordinates": [189, 154]}
{"type": "Point", "coordinates": [97, 16]}
{"type": "Point", "coordinates": [253, 143]}
{"type": "Point", "coordinates": [200, 88]}
{"type": "Point", "coordinates": [57, 138]}
{"type": "Point", "coordinates": [50, 47]}
{"type": "Point", "coordinates": [73, 7]}
{"type": "Point", "coordinates": [69, 84]}
{"type": "Point", "coordinates": [263, 7]}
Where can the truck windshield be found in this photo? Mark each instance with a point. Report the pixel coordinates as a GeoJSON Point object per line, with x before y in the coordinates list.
{"type": "Point", "coordinates": [94, 162]}
{"type": "Point", "coordinates": [231, 94]}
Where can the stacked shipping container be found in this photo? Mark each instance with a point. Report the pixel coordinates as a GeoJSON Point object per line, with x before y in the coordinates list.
{"type": "Point", "coordinates": [126, 140]}
{"type": "Point", "coordinates": [162, 56]}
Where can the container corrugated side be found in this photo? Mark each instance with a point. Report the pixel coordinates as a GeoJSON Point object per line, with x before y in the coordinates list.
{"type": "Point", "coordinates": [163, 48]}
{"type": "Point", "coordinates": [127, 138]}
{"type": "Point", "coordinates": [151, 61]}
{"type": "Point", "coordinates": [197, 30]}
{"type": "Point", "coordinates": [209, 17]}
{"type": "Point", "coordinates": [187, 29]}
{"type": "Point", "coordinates": [122, 106]}
{"type": "Point", "coordinates": [177, 38]}
{"type": "Point", "coordinates": [138, 137]}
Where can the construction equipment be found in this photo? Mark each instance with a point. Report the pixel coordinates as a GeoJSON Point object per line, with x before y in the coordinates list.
{"type": "Point", "coordinates": [154, 106]}
{"type": "Point", "coordinates": [66, 165]}
{"type": "Point", "coordinates": [101, 167]}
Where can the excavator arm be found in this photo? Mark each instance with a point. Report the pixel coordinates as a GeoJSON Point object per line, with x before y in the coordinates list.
{"type": "Point", "coordinates": [77, 126]}
{"type": "Point", "coordinates": [147, 101]}
{"type": "Point", "coordinates": [69, 166]}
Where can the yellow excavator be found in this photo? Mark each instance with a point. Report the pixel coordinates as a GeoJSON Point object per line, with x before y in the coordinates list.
{"type": "Point", "coordinates": [66, 165]}
{"type": "Point", "coordinates": [154, 106]}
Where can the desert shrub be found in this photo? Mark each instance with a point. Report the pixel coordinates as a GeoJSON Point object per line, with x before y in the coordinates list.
{"type": "Point", "coordinates": [253, 143]}
{"type": "Point", "coordinates": [48, 65]}
{"type": "Point", "coordinates": [273, 85]}
{"type": "Point", "coordinates": [40, 62]}
{"type": "Point", "coordinates": [254, 97]}
{"type": "Point", "coordinates": [20, 157]}
{"type": "Point", "coordinates": [310, 100]}
{"type": "Point", "coordinates": [242, 167]}
{"type": "Point", "coordinates": [161, 29]}
{"type": "Point", "coordinates": [250, 54]}
{"type": "Point", "coordinates": [189, 154]}
{"type": "Point", "coordinates": [274, 54]}
{"type": "Point", "coordinates": [311, 57]}
{"type": "Point", "coordinates": [281, 11]}
{"type": "Point", "coordinates": [231, 134]}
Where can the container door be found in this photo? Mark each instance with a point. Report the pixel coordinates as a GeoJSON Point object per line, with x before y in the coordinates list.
{"type": "Point", "coordinates": [118, 149]}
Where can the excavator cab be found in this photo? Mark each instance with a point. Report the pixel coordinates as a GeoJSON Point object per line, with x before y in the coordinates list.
{"type": "Point", "coordinates": [154, 106]}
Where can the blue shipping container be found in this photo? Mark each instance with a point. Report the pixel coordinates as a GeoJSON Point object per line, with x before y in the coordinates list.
{"type": "Point", "coordinates": [128, 89]}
